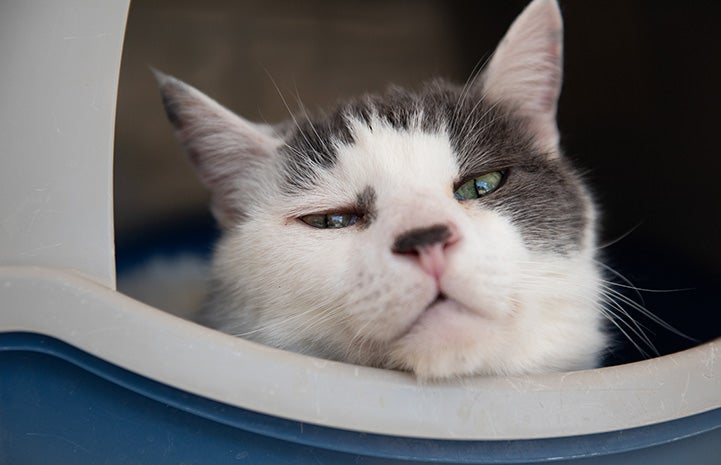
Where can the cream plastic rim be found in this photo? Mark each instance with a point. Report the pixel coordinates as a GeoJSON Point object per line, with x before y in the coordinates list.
{"type": "Point", "coordinates": [208, 363]}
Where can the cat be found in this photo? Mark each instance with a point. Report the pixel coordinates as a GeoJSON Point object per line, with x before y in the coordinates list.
{"type": "Point", "coordinates": [438, 231]}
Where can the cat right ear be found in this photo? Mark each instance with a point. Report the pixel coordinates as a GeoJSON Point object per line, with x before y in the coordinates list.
{"type": "Point", "coordinates": [526, 68]}
{"type": "Point", "coordinates": [226, 150]}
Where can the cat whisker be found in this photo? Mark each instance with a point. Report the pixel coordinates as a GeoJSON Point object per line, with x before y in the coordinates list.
{"type": "Point", "coordinates": [316, 317]}
{"type": "Point", "coordinates": [621, 315]}
{"type": "Point", "coordinates": [482, 120]}
{"type": "Point", "coordinates": [476, 122]}
{"type": "Point", "coordinates": [619, 238]}
{"type": "Point", "coordinates": [290, 112]}
{"type": "Point", "coordinates": [274, 324]}
{"type": "Point", "coordinates": [471, 113]}
{"type": "Point", "coordinates": [358, 336]}
{"type": "Point", "coordinates": [609, 292]}
{"type": "Point", "coordinates": [642, 289]}
{"type": "Point", "coordinates": [611, 317]}
{"type": "Point", "coordinates": [320, 310]}
{"type": "Point", "coordinates": [308, 118]}
{"type": "Point", "coordinates": [470, 82]}
{"type": "Point", "coordinates": [621, 277]}
{"type": "Point", "coordinates": [607, 287]}
{"type": "Point", "coordinates": [615, 304]}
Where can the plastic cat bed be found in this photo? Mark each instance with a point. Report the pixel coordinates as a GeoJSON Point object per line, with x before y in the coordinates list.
{"type": "Point", "coordinates": [88, 375]}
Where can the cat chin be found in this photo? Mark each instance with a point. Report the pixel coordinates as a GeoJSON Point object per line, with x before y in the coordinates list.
{"type": "Point", "coordinates": [456, 351]}
{"type": "Point", "coordinates": [447, 340]}
{"type": "Point", "coordinates": [440, 319]}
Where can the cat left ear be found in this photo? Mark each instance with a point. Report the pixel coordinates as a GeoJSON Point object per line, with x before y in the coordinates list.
{"type": "Point", "coordinates": [227, 151]}
{"type": "Point", "coordinates": [526, 69]}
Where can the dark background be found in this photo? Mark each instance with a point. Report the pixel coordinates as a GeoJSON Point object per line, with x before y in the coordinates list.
{"type": "Point", "coordinates": [639, 113]}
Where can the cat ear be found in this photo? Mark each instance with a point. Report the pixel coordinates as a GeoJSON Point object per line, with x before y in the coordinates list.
{"type": "Point", "coordinates": [526, 69]}
{"type": "Point", "coordinates": [226, 150]}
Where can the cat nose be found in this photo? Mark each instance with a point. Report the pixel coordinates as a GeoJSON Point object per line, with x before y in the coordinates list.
{"type": "Point", "coordinates": [428, 246]}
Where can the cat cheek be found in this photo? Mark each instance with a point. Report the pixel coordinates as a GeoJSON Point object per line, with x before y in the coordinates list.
{"type": "Point", "coordinates": [391, 305]}
{"type": "Point", "coordinates": [485, 288]}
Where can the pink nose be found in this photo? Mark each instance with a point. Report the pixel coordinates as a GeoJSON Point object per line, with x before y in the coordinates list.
{"type": "Point", "coordinates": [428, 245]}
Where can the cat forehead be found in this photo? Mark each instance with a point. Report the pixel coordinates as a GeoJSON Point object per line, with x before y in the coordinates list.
{"type": "Point", "coordinates": [477, 134]}
{"type": "Point", "coordinates": [387, 157]}
{"type": "Point", "coordinates": [383, 166]}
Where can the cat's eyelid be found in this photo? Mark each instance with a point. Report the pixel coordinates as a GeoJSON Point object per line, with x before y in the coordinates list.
{"type": "Point", "coordinates": [330, 211]}
{"type": "Point", "coordinates": [468, 177]}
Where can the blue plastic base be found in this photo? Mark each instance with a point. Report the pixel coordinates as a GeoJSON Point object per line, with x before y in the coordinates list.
{"type": "Point", "coordinates": [59, 405]}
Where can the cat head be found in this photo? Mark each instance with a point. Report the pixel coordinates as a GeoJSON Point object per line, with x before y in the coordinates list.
{"type": "Point", "coordinates": [439, 231]}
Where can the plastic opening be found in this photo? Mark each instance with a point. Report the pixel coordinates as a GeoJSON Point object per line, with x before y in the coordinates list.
{"type": "Point", "coordinates": [648, 167]}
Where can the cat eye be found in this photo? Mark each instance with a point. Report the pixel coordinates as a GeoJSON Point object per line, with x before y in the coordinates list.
{"type": "Point", "coordinates": [479, 186]}
{"type": "Point", "coordinates": [330, 220]}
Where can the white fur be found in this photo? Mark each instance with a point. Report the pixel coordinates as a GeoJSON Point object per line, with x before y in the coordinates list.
{"type": "Point", "coordinates": [345, 295]}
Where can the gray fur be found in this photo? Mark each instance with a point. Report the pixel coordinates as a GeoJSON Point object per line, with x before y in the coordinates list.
{"type": "Point", "coordinates": [366, 205]}
{"type": "Point", "coordinates": [542, 193]}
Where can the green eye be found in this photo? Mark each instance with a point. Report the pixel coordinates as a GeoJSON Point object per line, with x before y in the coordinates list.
{"type": "Point", "coordinates": [480, 186]}
{"type": "Point", "coordinates": [330, 220]}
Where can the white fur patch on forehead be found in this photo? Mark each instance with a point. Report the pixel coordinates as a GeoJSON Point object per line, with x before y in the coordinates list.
{"type": "Point", "coordinates": [391, 159]}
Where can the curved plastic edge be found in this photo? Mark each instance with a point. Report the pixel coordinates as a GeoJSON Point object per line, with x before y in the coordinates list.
{"type": "Point", "coordinates": [240, 373]}
{"type": "Point", "coordinates": [59, 74]}
{"type": "Point", "coordinates": [518, 451]}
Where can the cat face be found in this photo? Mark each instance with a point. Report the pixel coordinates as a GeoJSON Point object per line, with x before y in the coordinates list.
{"type": "Point", "coordinates": [438, 231]}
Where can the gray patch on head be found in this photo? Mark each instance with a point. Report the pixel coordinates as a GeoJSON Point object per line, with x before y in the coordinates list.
{"type": "Point", "coordinates": [542, 195]}
{"type": "Point", "coordinates": [311, 146]}
{"type": "Point", "coordinates": [366, 204]}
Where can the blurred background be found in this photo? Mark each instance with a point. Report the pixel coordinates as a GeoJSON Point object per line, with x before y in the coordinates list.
{"type": "Point", "coordinates": [639, 114]}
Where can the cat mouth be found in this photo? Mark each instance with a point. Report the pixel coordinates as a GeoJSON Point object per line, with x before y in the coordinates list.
{"type": "Point", "coordinates": [441, 304]}
{"type": "Point", "coordinates": [445, 304]}
{"type": "Point", "coordinates": [441, 297]}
